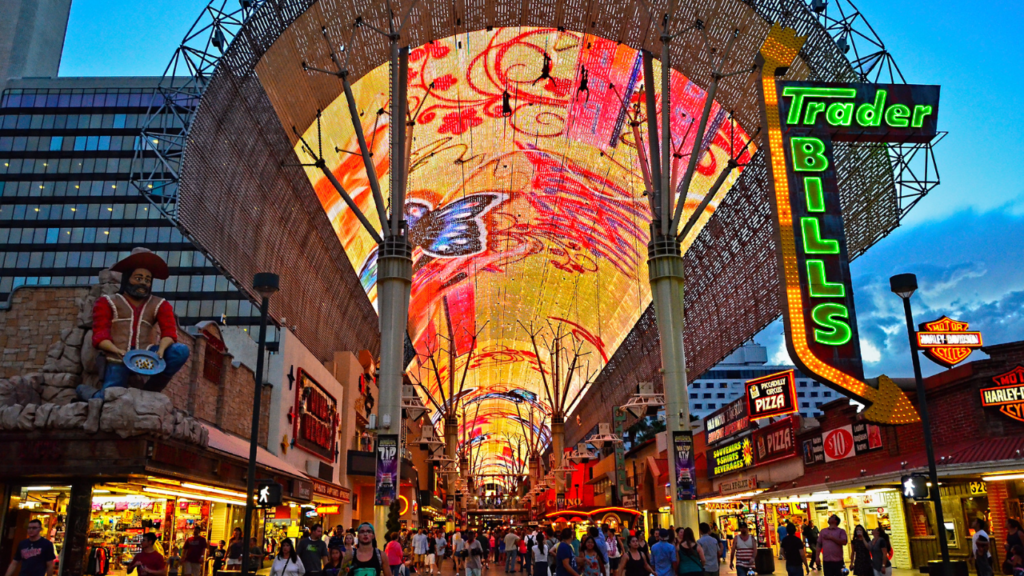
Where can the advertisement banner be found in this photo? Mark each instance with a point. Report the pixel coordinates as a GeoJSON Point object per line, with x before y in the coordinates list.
{"type": "Point", "coordinates": [387, 469]}
{"type": "Point", "coordinates": [838, 443]}
{"type": "Point", "coordinates": [726, 422]}
{"type": "Point", "coordinates": [772, 395]}
{"type": "Point", "coordinates": [316, 420]}
{"type": "Point", "coordinates": [776, 441]}
{"type": "Point", "coordinates": [814, 452]}
{"type": "Point", "coordinates": [686, 466]}
{"type": "Point", "coordinates": [731, 457]}
{"type": "Point", "coordinates": [866, 438]}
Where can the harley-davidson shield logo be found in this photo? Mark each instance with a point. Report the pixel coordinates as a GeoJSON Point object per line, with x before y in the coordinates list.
{"type": "Point", "coordinates": [946, 341]}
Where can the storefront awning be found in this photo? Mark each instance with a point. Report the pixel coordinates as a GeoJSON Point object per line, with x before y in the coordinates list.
{"type": "Point", "coordinates": [985, 456]}
{"type": "Point", "coordinates": [233, 445]}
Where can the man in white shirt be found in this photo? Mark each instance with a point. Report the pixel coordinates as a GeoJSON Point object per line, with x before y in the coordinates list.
{"type": "Point", "coordinates": [980, 529]}
{"type": "Point", "coordinates": [419, 547]}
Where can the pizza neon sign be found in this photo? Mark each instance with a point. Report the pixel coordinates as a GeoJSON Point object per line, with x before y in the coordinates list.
{"type": "Point", "coordinates": [946, 341]}
{"type": "Point", "coordinates": [802, 120]}
{"type": "Point", "coordinates": [772, 395]}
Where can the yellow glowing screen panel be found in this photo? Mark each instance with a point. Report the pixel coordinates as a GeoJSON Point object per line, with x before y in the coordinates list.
{"type": "Point", "coordinates": [525, 204]}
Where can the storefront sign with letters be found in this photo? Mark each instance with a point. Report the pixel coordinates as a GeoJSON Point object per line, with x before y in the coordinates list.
{"type": "Point", "coordinates": [772, 395]}
{"type": "Point", "coordinates": [776, 441]}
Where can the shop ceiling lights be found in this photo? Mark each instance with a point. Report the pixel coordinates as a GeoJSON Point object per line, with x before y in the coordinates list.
{"type": "Point", "coordinates": [214, 490]}
{"type": "Point", "coordinates": [1017, 476]}
{"type": "Point", "coordinates": [193, 496]}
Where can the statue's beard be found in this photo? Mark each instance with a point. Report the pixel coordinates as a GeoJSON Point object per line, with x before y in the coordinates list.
{"type": "Point", "coordinates": [139, 291]}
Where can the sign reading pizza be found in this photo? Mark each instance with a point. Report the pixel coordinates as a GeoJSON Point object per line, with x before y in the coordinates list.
{"type": "Point", "coordinates": [1008, 395]}
{"type": "Point", "coordinates": [772, 395]}
{"type": "Point", "coordinates": [946, 341]}
{"type": "Point", "coordinates": [802, 121]}
{"type": "Point", "coordinates": [775, 442]}
{"type": "Point", "coordinates": [315, 418]}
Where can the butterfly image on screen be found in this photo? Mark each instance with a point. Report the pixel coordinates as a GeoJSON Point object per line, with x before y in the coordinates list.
{"type": "Point", "coordinates": [451, 230]}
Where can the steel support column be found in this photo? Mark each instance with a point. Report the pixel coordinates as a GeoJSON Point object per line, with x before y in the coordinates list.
{"type": "Point", "coordinates": [558, 449]}
{"type": "Point", "coordinates": [451, 445]}
{"type": "Point", "coordinates": [665, 267]}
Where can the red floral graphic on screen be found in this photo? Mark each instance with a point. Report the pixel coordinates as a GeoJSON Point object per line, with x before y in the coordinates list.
{"type": "Point", "coordinates": [460, 121]}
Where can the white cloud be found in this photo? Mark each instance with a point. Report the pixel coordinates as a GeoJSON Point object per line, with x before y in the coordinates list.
{"type": "Point", "coordinates": [869, 352]}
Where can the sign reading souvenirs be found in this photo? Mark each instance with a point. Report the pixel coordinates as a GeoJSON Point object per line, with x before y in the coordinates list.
{"type": "Point", "coordinates": [776, 441]}
{"type": "Point", "coordinates": [802, 121]}
{"type": "Point", "coordinates": [946, 341]}
{"type": "Point", "coordinates": [686, 466]}
{"type": "Point", "coordinates": [731, 457]}
{"type": "Point", "coordinates": [387, 469]}
{"type": "Point", "coordinates": [727, 421]}
{"type": "Point", "coordinates": [1008, 396]}
{"type": "Point", "coordinates": [315, 418]}
{"type": "Point", "coordinates": [772, 395]}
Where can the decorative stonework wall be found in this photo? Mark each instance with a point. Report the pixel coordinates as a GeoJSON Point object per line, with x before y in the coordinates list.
{"type": "Point", "coordinates": [898, 535]}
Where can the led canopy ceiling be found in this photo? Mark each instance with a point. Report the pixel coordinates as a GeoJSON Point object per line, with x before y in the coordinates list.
{"type": "Point", "coordinates": [526, 208]}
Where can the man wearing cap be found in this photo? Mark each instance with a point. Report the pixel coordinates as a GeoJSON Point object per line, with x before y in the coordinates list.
{"type": "Point", "coordinates": [128, 321]}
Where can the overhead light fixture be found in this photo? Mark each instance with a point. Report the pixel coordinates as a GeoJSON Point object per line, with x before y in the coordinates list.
{"type": "Point", "coordinates": [1017, 476]}
{"type": "Point", "coordinates": [188, 496]}
{"type": "Point", "coordinates": [212, 489]}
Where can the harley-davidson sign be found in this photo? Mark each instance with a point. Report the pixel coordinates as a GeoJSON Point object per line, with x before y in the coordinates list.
{"type": "Point", "coordinates": [946, 341]}
{"type": "Point", "coordinates": [1008, 396]}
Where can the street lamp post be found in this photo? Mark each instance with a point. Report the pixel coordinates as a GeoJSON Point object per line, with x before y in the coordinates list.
{"type": "Point", "coordinates": [904, 286]}
{"type": "Point", "coordinates": [265, 284]}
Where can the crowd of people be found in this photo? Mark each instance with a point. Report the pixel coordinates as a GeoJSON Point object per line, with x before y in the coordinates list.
{"type": "Point", "coordinates": [533, 551]}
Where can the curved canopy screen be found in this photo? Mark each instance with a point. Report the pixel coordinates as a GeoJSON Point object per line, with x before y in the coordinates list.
{"type": "Point", "coordinates": [527, 210]}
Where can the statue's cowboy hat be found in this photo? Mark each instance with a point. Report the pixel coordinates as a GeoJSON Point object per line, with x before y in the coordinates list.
{"type": "Point", "coordinates": [143, 258]}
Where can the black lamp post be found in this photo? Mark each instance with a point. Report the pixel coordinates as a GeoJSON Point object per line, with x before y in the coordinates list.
{"type": "Point", "coordinates": [266, 284]}
{"type": "Point", "coordinates": [904, 286]}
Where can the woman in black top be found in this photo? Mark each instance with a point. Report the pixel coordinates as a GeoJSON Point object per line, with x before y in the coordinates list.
{"type": "Point", "coordinates": [634, 560]}
{"type": "Point", "coordinates": [860, 553]}
{"type": "Point", "coordinates": [366, 559]}
{"type": "Point", "coordinates": [1014, 536]}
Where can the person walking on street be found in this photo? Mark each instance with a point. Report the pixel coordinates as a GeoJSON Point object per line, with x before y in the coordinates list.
{"type": "Point", "coordinates": [511, 542]}
{"type": "Point", "coordinates": [860, 553]}
{"type": "Point", "coordinates": [781, 531]}
{"type": "Point", "coordinates": [149, 562]}
{"type": "Point", "coordinates": [475, 554]}
{"type": "Point", "coordinates": [744, 548]}
{"type": "Point", "coordinates": [220, 553]}
{"type": "Point", "coordinates": [440, 549]}
{"type": "Point", "coordinates": [880, 549]}
{"type": "Point", "coordinates": [366, 559]}
{"type": "Point", "coordinates": [635, 561]}
{"type": "Point", "coordinates": [419, 548]}
{"type": "Point", "coordinates": [793, 551]}
{"type": "Point", "coordinates": [663, 555]}
{"type": "Point", "coordinates": [832, 540]}
{"type": "Point", "coordinates": [394, 553]}
{"type": "Point", "coordinates": [486, 545]}
{"type": "Point", "coordinates": [566, 556]}
{"type": "Point", "coordinates": [539, 553]}
{"type": "Point", "coordinates": [35, 555]}
{"type": "Point", "coordinates": [691, 555]}
{"type": "Point", "coordinates": [590, 560]}
{"type": "Point", "coordinates": [430, 558]}
{"type": "Point", "coordinates": [337, 539]}
{"type": "Point", "coordinates": [194, 557]}
{"type": "Point", "coordinates": [712, 548]}
{"type": "Point", "coordinates": [614, 547]}
{"type": "Point", "coordinates": [811, 536]}
{"type": "Point", "coordinates": [312, 550]}
{"type": "Point", "coordinates": [601, 546]}
{"type": "Point", "coordinates": [287, 561]}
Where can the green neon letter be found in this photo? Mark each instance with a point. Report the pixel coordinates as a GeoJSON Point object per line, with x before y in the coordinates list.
{"type": "Point", "coordinates": [808, 154]}
{"type": "Point", "coordinates": [797, 93]}
{"type": "Point", "coordinates": [813, 242]}
{"type": "Point", "coordinates": [818, 285]}
{"type": "Point", "coordinates": [813, 109]}
{"type": "Point", "coordinates": [869, 115]}
{"type": "Point", "coordinates": [896, 116]}
{"type": "Point", "coordinates": [832, 318]}
{"type": "Point", "coordinates": [815, 194]}
{"type": "Point", "coordinates": [840, 113]}
{"type": "Point", "coordinates": [920, 111]}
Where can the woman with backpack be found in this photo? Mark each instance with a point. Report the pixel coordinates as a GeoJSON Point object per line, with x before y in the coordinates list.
{"type": "Point", "coordinates": [691, 556]}
{"type": "Point", "coordinates": [540, 555]}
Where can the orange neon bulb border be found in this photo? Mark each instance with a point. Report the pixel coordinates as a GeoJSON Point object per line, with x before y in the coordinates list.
{"type": "Point", "coordinates": [593, 512]}
{"type": "Point", "coordinates": [791, 271]}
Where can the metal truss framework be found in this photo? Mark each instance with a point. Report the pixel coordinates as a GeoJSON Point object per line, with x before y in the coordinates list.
{"type": "Point", "coordinates": [731, 276]}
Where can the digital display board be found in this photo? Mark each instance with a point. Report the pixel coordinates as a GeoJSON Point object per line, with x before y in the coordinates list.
{"type": "Point", "coordinates": [529, 215]}
{"type": "Point", "coordinates": [727, 421]}
{"type": "Point", "coordinates": [731, 457]}
{"type": "Point", "coordinates": [802, 120]}
{"type": "Point", "coordinates": [772, 395]}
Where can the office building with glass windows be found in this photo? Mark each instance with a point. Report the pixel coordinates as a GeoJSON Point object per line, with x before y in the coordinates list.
{"type": "Point", "coordinates": [727, 382]}
{"type": "Point", "coordinates": [67, 207]}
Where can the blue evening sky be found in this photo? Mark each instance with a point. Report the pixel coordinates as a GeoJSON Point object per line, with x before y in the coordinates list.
{"type": "Point", "coordinates": [964, 240]}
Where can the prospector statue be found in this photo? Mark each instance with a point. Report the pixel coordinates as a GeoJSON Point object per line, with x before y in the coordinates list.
{"type": "Point", "coordinates": [126, 323]}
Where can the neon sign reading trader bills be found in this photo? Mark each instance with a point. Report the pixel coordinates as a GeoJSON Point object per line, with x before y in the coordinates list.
{"type": "Point", "coordinates": [802, 120]}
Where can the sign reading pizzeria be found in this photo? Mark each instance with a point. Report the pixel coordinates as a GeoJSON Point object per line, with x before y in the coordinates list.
{"type": "Point", "coordinates": [946, 341]}
{"type": "Point", "coordinates": [1007, 395]}
{"type": "Point", "coordinates": [315, 418]}
{"type": "Point", "coordinates": [726, 422]}
{"type": "Point", "coordinates": [772, 395]}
